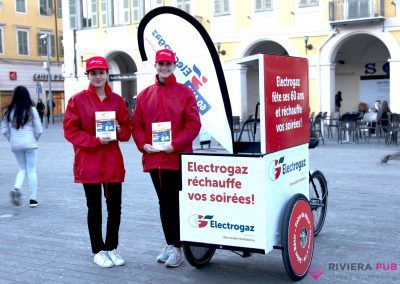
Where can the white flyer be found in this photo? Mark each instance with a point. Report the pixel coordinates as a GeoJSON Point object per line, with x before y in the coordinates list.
{"type": "Point", "coordinates": [161, 134]}
{"type": "Point", "coordinates": [105, 125]}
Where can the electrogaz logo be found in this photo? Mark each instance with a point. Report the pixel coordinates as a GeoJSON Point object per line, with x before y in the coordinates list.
{"type": "Point", "coordinates": [199, 221]}
{"type": "Point", "coordinates": [195, 78]}
{"type": "Point", "coordinates": [278, 168]}
{"type": "Point", "coordinates": [275, 168]}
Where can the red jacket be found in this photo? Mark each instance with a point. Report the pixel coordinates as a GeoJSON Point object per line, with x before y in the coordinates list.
{"type": "Point", "coordinates": [168, 102]}
{"type": "Point", "coordinates": [95, 162]}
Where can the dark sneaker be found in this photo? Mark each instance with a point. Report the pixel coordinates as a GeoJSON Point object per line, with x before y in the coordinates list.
{"type": "Point", "coordinates": [33, 203]}
{"type": "Point", "coordinates": [15, 197]}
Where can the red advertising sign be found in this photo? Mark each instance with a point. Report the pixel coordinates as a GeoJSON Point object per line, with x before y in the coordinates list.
{"type": "Point", "coordinates": [286, 102]}
{"type": "Point", "coordinates": [12, 75]}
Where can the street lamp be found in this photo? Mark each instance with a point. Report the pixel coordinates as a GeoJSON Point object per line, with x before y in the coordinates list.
{"type": "Point", "coordinates": [308, 46]}
{"type": "Point", "coordinates": [222, 52]}
{"type": "Point", "coordinates": [46, 39]}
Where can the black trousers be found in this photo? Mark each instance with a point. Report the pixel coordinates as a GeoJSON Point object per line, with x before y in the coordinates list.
{"type": "Point", "coordinates": [41, 116]}
{"type": "Point", "coordinates": [168, 184]}
{"type": "Point", "coordinates": [112, 194]}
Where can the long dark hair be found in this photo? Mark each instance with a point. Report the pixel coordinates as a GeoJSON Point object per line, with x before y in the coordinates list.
{"type": "Point", "coordinates": [22, 104]}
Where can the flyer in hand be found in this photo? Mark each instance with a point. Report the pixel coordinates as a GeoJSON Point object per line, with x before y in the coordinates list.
{"type": "Point", "coordinates": [161, 134]}
{"type": "Point", "coordinates": [105, 125]}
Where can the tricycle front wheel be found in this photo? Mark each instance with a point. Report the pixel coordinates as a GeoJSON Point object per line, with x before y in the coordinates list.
{"type": "Point", "coordinates": [198, 256]}
{"type": "Point", "coordinates": [297, 237]}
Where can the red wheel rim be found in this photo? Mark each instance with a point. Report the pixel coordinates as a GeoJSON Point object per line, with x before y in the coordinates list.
{"type": "Point", "coordinates": [301, 237]}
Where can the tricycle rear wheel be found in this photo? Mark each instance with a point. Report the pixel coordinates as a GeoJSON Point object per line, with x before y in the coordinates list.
{"type": "Point", "coordinates": [297, 237]}
{"type": "Point", "coordinates": [198, 256]}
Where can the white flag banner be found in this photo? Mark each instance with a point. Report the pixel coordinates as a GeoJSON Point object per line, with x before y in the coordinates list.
{"type": "Point", "coordinates": [198, 65]}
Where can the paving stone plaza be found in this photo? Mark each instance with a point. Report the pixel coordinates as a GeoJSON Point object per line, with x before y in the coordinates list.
{"type": "Point", "coordinates": [359, 243]}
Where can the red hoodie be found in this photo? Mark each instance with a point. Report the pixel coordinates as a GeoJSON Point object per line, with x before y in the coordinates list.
{"type": "Point", "coordinates": [173, 102]}
{"type": "Point", "coordinates": [95, 162]}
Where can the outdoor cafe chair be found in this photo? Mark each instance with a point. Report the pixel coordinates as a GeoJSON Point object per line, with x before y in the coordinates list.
{"type": "Point", "coordinates": [332, 123]}
{"type": "Point", "coordinates": [394, 129]}
{"type": "Point", "coordinates": [348, 127]}
{"type": "Point", "coordinates": [367, 126]}
{"type": "Point", "coordinates": [383, 128]}
{"type": "Point", "coordinates": [317, 125]}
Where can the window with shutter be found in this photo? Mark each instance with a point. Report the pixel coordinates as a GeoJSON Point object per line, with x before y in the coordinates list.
{"type": "Point", "coordinates": [52, 46]}
{"type": "Point", "coordinates": [104, 11]}
{"type": "Point", "coordinates": [61, 45]}
{"type": "Point", "coordinates": [23, 44]}
{"type": "Point", "coordinates": [1, 41]}
{"type": "Point", "coordinates": [20, 6]}
{"type": "Point", "coordinates": [262, 5]}
{"type": "Point", "coordinates": [136, 11]}
{"type": "Point", "coordinates": [72, 14]}
{"type": "Point", "coordinates": [89, 13]}
{"type": "Point", "coordinates": [183, 5]}
{"type": "Point", "coordinates": [45, 7]}
{"type": "Point", "coordinates": [308, 3]}
{"type": "Point", "coordinates": [221, 7]}
{"type": "Point", "coordinates": [59, 8]}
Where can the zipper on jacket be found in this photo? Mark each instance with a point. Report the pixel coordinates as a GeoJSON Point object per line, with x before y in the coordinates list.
{"type": "Point", "coordinates": [106, 190]}
{"type": "Point", "coordinates": [159, 177]}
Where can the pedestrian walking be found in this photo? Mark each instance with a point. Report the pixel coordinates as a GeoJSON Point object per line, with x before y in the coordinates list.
{"type": "Point", "coordinates": [48, 110]}
{"type": "Point", "coordinates": [98, 161]}
{"type": "Point", "coordinates": [338, 101]}
{"type": "Point", "coordinates": [172, 105]}
{"type": "Point", "coordinates": [21, 126]}
{"type": "Point", "coordinates": [40, 107]}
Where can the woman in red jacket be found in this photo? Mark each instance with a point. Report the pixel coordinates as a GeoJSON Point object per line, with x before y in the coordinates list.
{"type": "Point", "coordinates": [98, 161]}
{"type": "Point", "coordinates": [174, 104]}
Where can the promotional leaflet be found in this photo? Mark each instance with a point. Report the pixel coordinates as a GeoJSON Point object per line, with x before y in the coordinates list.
{"type": "Point", "coordinates": [105, 125]}
{"type": "Point", "coordinates": [161, 134]}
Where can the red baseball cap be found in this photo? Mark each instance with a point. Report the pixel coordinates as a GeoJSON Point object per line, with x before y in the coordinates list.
{"type": "Point", "coordinates": [165, 55]}
{"type": "Point", "coordinates": [96, 62]}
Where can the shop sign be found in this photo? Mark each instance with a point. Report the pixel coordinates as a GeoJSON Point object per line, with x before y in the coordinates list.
{"type": "Point", "coordinates": [122, 77]}
{"type": "Point", "coordinates": [45, 77]}
{"type": "Point", "coordinates": [13, 75]}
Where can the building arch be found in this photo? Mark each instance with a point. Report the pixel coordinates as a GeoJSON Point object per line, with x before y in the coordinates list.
{"type": "Point", "coordinates": [343, 64]}
{"type": "Point", "coordinates": [273, 46]}
{"type": "Point", "coordinates": [122, 75]}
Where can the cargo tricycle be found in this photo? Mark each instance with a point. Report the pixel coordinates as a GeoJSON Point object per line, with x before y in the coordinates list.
{"type": "Point", "coordinates": [263, 196]}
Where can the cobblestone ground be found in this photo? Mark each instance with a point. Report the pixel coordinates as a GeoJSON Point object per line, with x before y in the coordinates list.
{"type": "Point", "coordinates": [50, 244]}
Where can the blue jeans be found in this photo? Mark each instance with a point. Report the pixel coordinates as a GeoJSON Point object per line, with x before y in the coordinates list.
{"type": "Point", "coordinates": [27, 164]}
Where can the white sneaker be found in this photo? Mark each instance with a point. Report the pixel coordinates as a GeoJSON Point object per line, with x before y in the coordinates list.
{"type": "Point", "coordinates": [164, 254]}
{"type": "Point", "coordinates": [116, 257]}
{"type": "Point", "coordinates": [175, 258]}
{"type": "Point", "coordinates": [101, 259]}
